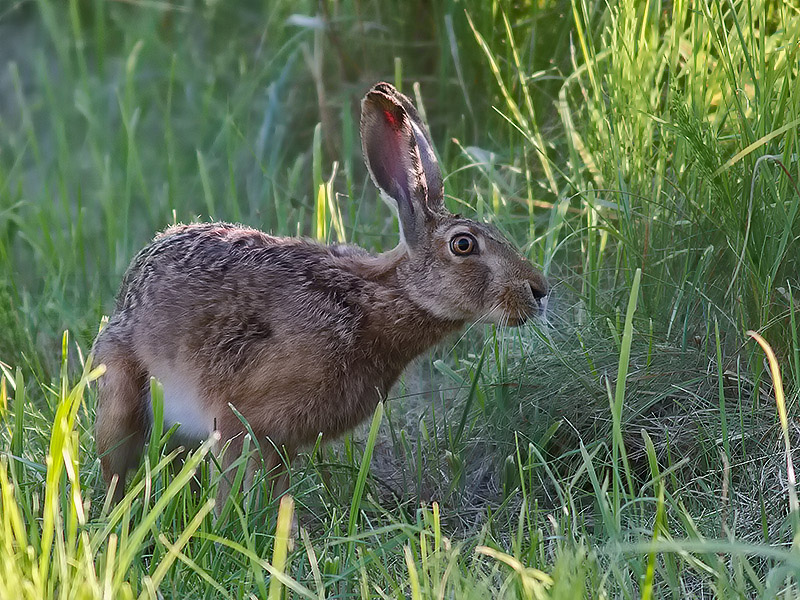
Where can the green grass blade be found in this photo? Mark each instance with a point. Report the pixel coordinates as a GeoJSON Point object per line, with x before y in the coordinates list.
{"type": "Point", "coordinates": [618, 444]}
{"type": "Point", "coordinates": [361, 480]}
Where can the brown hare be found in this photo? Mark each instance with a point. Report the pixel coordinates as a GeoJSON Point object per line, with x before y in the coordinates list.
{"type": "Point", "coordinates": [301, 338]}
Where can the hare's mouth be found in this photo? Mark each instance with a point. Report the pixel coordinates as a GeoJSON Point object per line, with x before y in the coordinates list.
{"type": "Point", "coordinates": [517, 320]}
{"type": "Point", "coordinates": [512, 317]}
{"type": "Point", "coordinates": [520, 317]}
{"type": "Point", "coordinates": [518, 308]}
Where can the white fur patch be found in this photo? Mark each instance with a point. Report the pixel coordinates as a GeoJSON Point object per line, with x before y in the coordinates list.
{"type": "Point", "coordinates": [183, 405]}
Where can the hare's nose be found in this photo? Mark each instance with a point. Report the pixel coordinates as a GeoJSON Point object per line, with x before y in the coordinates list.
{"type": "Point", "coordinates": [539, 291]}
{"type": "Point", "coordinates": [539, 288]}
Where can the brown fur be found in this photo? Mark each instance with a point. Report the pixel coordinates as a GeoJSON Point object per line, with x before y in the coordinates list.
{"type": "Point", "coordinates": [299, 337]}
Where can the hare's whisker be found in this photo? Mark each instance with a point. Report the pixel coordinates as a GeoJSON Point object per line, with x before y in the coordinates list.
{"type": "Point", "coordinates": [477, 321]}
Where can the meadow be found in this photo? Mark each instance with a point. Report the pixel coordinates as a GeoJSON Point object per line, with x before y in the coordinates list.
{"type": "Point", "coordinates": [639, 443]}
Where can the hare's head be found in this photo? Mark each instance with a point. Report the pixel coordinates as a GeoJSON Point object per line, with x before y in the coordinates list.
{"type": "Point", "coordinates": [458, 269]}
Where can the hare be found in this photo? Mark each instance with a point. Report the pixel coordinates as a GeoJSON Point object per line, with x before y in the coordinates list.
{"type": "Point", "coordinates": [301, 338]}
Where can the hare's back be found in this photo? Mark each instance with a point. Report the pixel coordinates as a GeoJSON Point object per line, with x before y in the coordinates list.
{"type": "Point", "coordinates": [221, 297]}
{"type": "Point", "coordinates": [187, 254]}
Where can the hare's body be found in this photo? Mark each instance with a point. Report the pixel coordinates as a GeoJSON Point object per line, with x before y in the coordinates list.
{"type": "Point", "coordinates": [300, 338]}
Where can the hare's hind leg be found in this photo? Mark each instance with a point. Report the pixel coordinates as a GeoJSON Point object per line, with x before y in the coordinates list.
{"type": "Point", "coordinates": [122, 419]}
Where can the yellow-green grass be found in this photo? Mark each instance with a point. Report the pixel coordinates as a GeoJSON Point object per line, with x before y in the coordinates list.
{"type": "Point", "coordinates": [644, 153]}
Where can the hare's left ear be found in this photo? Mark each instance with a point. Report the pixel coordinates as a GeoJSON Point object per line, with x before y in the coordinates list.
{"type": "Point", "coordinates": [400, 159]}
{"type": "Point", "coordinates": [433, 174]}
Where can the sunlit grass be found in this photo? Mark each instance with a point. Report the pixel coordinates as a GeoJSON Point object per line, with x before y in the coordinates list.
{"type": "Point", "coordinates": [645, 154]}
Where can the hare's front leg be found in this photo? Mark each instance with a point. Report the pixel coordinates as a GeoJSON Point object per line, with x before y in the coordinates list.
{"type": "Point", "coordinates": [229, 450]}
{"type": "Point", "coordinates": [231, 446]}
{"type": "Point", "coordinates": [276, 468]}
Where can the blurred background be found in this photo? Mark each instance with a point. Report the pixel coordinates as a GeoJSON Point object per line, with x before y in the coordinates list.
{"type": "Point", "coordinates": [604, 138]}
{"type": "Point", "coordinates": [124, 116]}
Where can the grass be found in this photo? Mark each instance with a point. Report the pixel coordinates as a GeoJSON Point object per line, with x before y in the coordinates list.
{"type": "Point", "coordinates": [644, 153]}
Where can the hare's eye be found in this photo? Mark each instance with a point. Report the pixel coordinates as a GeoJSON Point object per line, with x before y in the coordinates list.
{"type": "Point", "coordinates": [463, 244]}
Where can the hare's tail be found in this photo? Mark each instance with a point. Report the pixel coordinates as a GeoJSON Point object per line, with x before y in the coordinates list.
{"type": "Point", "coordinates": [123, 416]}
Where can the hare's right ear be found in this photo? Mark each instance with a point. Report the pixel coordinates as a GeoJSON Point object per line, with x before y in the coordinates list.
{"type": "Point", "coordinates": [389, 140]}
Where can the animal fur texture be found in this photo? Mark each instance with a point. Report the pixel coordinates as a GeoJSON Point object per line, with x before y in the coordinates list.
{"type": "Point", "coordinates": [301, 338]}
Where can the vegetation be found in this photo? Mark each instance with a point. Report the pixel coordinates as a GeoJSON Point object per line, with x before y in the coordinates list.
{"type": "Point", "coordinates": [637, 445]}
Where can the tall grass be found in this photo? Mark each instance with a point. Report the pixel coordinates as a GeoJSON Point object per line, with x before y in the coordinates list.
{"type": "Point", "coordinates": [644, 153]}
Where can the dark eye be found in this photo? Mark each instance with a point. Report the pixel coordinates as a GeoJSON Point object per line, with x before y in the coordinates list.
{"type": "Point", "coordinates": [463, 244]}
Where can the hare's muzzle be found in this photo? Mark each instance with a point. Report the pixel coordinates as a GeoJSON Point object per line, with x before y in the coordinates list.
{"type": "Point", "coordinates": [537, 302]}
{"type": "Point", "coordinates": [524, 300]}
{"type": "Point", "coordinates": [540, 305]}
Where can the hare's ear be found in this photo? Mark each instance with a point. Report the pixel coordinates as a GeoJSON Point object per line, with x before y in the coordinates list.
{"type": "Point", "coordinates": [433, 174]}
{"type": "Point", "coordinates": [389, 140]}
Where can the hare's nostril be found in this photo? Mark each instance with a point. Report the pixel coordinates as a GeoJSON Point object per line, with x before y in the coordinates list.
{"type": "Point", "coordinates": [537, 291]}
